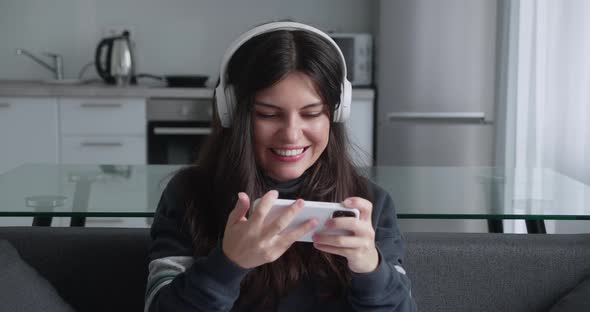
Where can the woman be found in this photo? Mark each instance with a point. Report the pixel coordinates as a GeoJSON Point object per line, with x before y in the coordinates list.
{"type": "Point", "coordinates": [281, 91]}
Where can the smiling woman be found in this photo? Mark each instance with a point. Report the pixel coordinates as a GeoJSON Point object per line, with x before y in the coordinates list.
{"type": "Point", "coordinates": [290, 134]}
{"type": "Point", "coordinates": [281, 101]}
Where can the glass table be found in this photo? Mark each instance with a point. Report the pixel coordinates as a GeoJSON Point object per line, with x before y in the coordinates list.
{"type": "Point", "coordinates": [44, 191]}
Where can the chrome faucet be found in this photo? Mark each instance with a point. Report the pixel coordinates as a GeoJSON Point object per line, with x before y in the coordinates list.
{"type": "Point", "coordinates": [57, 68]}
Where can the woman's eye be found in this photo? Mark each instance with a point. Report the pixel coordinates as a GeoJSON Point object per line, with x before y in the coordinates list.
{"type": "Point", "coordinates": [313, 115]}
{"type": "Point", "coordinates": [265, 115]}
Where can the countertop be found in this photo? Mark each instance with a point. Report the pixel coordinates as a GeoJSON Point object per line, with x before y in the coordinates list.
{"type": "Point", "coordinates": [27, 88]}
{"type": "Point", "coordinates": [30, 88]}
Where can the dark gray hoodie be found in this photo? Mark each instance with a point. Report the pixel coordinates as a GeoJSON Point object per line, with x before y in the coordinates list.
{"type": "Point", "coordinates": [180, 282]}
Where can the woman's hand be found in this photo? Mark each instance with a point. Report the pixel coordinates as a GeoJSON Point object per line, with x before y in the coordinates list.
{"type": "Point", "coordinates": [250, 242]}
{"type": "Point", "coordinates": [358, 247]}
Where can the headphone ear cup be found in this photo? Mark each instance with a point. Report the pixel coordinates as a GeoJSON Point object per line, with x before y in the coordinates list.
{"type": "Point", "coordinates": [221, 105]}
{"type": "Point", "coordinates": [230, 101]}
{"type": "Point", "coordinates": [224, 99]}
{"type": "Point", "coordinates": [343, 111]}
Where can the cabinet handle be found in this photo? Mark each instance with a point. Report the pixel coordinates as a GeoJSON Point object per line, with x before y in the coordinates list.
{"type": "Point", "coordinates": [181, 131]}
{"type": "Point", "coordinates": [101, 105]}
{"type": "Point", "coordinates": [4, 105]}
{"type": "Point", "coordinates": [454, 116]}
{"type": "Point", "coordinates": [101, 144]}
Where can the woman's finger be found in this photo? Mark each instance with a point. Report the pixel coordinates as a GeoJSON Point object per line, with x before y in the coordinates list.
{"type": "Point", "coordinates": [240, 210]}
{"type": "Point", "coordinates": [343, 223]}
{"type": "Point", "coordinates": [263, 206]}
{"type": "Point", "coordinates": [285, 218]}
{"type": "Point", "coordinates": [341, 241]}
{"type": "Point", "coordinates": [344, 252]}
{"type": "Point", "coordinates": [364, 206]}
{"type": "Point", "coordinates": [291, 236]}
{"type": "Point", "coordinates": [354, 225]}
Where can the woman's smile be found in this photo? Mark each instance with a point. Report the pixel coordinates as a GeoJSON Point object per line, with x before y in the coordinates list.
{"type": "Point", "coordinates": [288, 154]}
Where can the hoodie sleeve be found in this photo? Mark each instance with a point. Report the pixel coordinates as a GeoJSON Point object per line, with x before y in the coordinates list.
{"type": "Point", "coordinates": [177, 281]}
{"type": "Point", "coordinates": [387, 288]}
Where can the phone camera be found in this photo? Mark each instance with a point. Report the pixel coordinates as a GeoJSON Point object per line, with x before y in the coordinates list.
{"type": "Point", "coordinates": [342, 213]}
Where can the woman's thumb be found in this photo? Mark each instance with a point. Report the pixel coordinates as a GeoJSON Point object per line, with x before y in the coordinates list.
{"type": "Point", "coordinates": [240, 210]}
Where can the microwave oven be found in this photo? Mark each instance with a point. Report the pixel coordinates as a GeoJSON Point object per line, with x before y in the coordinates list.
{"type": "Point", "coordinates": [357, 49]}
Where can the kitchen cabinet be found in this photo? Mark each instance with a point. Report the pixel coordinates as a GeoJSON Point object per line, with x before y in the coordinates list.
{"type": "Point", "coordinates": [28, 134]}
{"type": "Point", "coordinates": [360, 127]}
{"type": "Point", "coordinates": [68, 130]}
{"type": "Point", "coordinates": [28, 131]}
{"type": "Point", "coordinates": [114, 149]}
{"type": "Point", "coordinates": [103, 130]}
{"type": "Point", "coordinates": [102, 116]}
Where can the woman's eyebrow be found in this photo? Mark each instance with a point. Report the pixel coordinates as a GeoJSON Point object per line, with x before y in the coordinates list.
{"type": "Point", "coordinates": [313, 105]}
{"type": "Point", "coordinates": [278, 107]}
{"type": "Point", "coordinates": [266, 105]}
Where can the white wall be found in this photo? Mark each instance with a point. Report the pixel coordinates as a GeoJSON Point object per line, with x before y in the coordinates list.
{"type": "Point", "coordinates": [567, 112]}
{"type": "Point", "coordinates": [171, 37]}
{"type": "Point", "coordinates": [567, 106]}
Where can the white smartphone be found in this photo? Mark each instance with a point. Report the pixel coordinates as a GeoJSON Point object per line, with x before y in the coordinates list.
{"type": "Point", "coordinates": [322, 211]}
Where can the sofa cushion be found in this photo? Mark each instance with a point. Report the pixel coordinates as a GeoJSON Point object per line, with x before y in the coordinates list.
{"type": "Point", "coordinates": [576, 300]}
{"type": "Point", "coordinates": [22, 288]}
{"type": "Point", "coordinates": [93, 269]}
{"type": "Point", "coordinates": [456, 272]}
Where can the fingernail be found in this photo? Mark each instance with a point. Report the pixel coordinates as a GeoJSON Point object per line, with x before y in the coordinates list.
{"type": "Point", "coordinates": [347, 202]}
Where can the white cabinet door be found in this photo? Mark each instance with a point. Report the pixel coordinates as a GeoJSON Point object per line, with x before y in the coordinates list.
{"type": "Point", "coordinates": [103, 130]}
{"type": "Point", "coordinates": [103, 150]}
{"type": "Point", "coordinates": [105, 116]}
{"type": "Point", "coordinates": [28, 131]}
{"type": "Point", "coordinates": [360, 128]}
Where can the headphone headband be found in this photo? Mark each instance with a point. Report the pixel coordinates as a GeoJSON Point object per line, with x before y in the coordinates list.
{"type": "Point", "coordinates": [225, 99]}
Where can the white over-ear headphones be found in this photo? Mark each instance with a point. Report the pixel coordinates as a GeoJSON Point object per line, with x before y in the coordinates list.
{"type": "Point", "coordinates": [224, 94]}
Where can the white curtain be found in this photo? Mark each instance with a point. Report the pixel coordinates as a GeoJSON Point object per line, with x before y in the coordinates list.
{"type": "Point", "coordinates": [547, 97]}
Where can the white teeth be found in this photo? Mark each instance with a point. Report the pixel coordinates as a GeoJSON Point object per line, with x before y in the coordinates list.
{"type": "Point", "coordinates": [291, 152]}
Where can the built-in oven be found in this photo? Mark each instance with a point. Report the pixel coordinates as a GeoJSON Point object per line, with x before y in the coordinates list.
{"type": "Point", "coordinates": [177, 129]}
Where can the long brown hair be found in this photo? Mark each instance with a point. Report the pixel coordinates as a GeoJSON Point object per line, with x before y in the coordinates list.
{"type": "Point", "coordinates": [227, 165]}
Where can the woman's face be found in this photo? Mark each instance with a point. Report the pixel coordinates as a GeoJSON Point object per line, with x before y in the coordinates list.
{"type": "Point", "coordinates": [291, 127]}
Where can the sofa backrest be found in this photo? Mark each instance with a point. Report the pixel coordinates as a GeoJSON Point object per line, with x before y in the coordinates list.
{"type": "Point", "coordinates": [494, 272]}
{"type": "Point", "coordinates": [105, 269]}
{"type": "Point", "coordinates": [93, 269]}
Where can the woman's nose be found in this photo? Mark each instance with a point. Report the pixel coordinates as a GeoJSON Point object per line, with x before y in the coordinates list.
{"type": "Point", "coordinates": [292, 130]}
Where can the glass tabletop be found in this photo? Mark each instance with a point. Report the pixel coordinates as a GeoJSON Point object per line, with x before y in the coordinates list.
{"type": "Point", "coordinates": [418, 192]}
{"type": "Point", "coordinates": [484, 193]}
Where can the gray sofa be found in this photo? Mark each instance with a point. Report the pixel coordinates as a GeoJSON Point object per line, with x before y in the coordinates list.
{"type": "Point", "coordinates": [105, 269]}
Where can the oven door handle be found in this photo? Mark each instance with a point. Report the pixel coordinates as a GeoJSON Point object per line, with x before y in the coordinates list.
{"type": "Point", "coordinates": [181, 131]}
